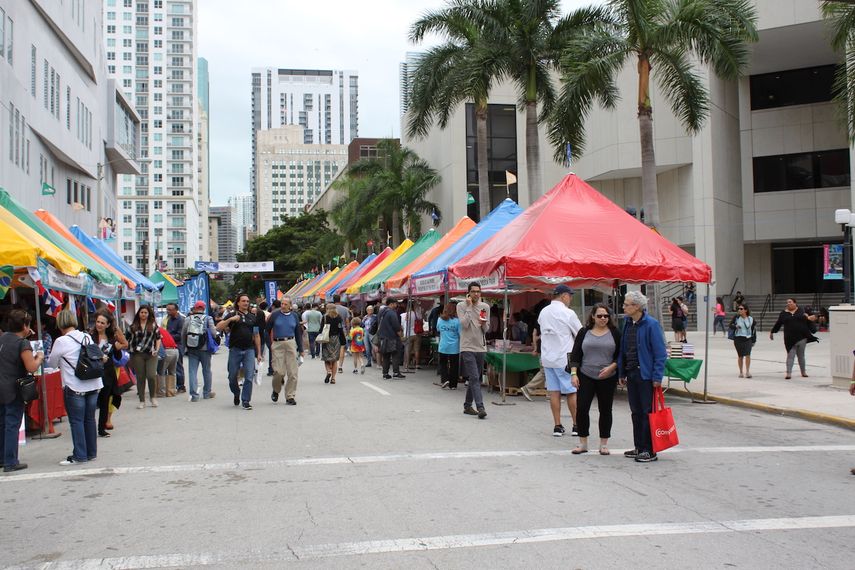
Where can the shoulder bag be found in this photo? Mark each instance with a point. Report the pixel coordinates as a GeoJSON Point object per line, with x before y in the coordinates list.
{"type": "Point", "coordinates": [325, 333]}
{"type": "Point", "coordinates": [27, 388]}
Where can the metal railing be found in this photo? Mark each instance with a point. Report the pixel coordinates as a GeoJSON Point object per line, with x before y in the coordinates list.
{"type": "Point", "coordinates": [767, 304]}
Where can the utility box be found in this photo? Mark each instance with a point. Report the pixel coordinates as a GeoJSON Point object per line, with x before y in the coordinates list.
{"type": "Point", "coordinates": [842, 329]}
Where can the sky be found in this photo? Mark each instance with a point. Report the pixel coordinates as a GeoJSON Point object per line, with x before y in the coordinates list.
{"type": "Point", "coordinates": [369, 36]}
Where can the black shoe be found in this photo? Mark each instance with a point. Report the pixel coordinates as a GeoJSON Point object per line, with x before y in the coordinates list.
{"type": "Point", "coordinates": [482, 414]}
{"type": "Point", "coordinates": [646, 457]}
{"type": "Point", "coordinates": [327, 378]}
{"type": "Point", "coordinates": [291, 402]}
{"type": "Point", "coordinates": [574, 431]}
{"type": "Point", "coordinates": [558, 431]}
{"type": "Point", "coordinates": [387, 377]}
{"type": "Point", "coordinates": [10, 468]}
{"type": "Point", "coordinates": [247, 406]}
{"type": "Point", "coordinates": [103, 433]}
{"type": "Point", "coordinates": [181, 389]}
{"type": "Point", "coordinates": [470, 411]}
{"type": "Point", "coordinates": [398, 375]}
{"type": "Point", "coordinates": [237, 400]}
{"type": "Point", "coordinates": [445, 384]}
{"type": "Point", "coordinates": [274, 396]}
{"type": "Point", "coordinates": [368, 365]}
{"type": "Point", "coordinates": [340, 370]}
{"type": "Point", "coordinates": [631, 453]}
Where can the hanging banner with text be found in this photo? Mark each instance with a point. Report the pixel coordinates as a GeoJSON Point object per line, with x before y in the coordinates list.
{"type": "Point", "coordinates": [234, 267]}
{"type": "Point", "coordinates": [270, 291]}
{"type": "Point", "coordinates": [832, 261]}
{"type": "Point", "coordinates": [194, 289]}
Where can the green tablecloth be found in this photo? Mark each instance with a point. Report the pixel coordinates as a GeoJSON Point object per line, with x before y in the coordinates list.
{"type": "Point", "coordinates": [517, 361]}
{"type": "Point", "coordinates": [685, 369]}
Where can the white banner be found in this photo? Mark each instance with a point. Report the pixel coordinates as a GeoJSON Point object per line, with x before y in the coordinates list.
{"type": "Point", "coordinates": [245, 267]}
{"type": "Point", "coordinates": [103, 291]}
{"type": "Point", "coordinates": [53, 279]}
{"type": "Point", "coordinates": [492, 282]}
{"type": "Point", "coordinates": [427, 285]}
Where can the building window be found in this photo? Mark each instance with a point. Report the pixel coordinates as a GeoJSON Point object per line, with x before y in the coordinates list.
{"type": "Point", "coordinates": [33, 65]}
{"type": "Point", "coordinates": [792, 87]}
{"type": "Point", "coordinates": [823, 169]}
{"type": "Point", "coordinates": [501, 154]}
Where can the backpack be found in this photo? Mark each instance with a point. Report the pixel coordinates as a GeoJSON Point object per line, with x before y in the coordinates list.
{"type": "Point", "coordinates": [196, 332]}
{"type": "Point", "coordinates": [89, 363]}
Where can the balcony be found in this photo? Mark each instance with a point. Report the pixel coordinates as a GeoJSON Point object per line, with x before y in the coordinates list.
{"type": "Point", "coordinates": [123, 134]}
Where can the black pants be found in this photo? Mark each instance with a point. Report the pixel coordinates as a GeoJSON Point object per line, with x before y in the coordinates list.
{"type": "Point", "coordinates": [604, 390]}
{"type": "Point", "coordinates": [109, 380]}
{"type": "Point", "coordinates": [449, 369]}
{"type": "Point", "coordinates": [391, 358]}
{"type": "Point", "coordinates": [640, 395]}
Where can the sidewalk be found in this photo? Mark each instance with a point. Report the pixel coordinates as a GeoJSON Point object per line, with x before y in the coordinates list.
{"type": "Point", "coordinates": [813, 398]}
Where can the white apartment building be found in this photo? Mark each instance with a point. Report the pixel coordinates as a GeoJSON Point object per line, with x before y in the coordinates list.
{"type": "Point", "coordinates": [203, 143]}
{"type": "Point", "coordinates": [291, 174]}
{"type": "Point", "coordinates": [66, 131]}
{"type": "Point", "coordinates": [406, 71]}
{"type": "Point", "coordinates": [223, 231]}
{"type": "Point", "coordinates": [151, 50]}
{"type": "Point", "coordinates": [242, 206]}
{"type": "Point", "coordinates": [753, 194]}
{"type": "Point", "coordinates": [324, 103]}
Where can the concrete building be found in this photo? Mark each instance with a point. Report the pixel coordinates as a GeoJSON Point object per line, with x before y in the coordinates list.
{"type": "Point", "coordinates": [222, 220]}
{"type": "Point", "coordinates": [753, 194]}
{"type": "Point", "coordinates": [324, 103]}
{"type": "Point", "coordinates": [151, 51]}
{"type": "Point", "coordinates": [213, 249]}
{"type": "Point", "coordinates": [66, 130]}
{"type": "Point", "coordinates": [291, 174]}
{"type": "Point", "coordinates": [406, 70]}
{"type": "Point", "coordinates": [242, 206]}
{"type": "Point", "coordinates": [203, 152]}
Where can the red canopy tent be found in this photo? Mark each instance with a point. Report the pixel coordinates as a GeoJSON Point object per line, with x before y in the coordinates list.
{"type": "Point", "coordinates": [575, 234]}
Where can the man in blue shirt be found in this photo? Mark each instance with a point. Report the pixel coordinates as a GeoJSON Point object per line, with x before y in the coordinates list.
{"type": "Point", "coordinates": [286, 345]}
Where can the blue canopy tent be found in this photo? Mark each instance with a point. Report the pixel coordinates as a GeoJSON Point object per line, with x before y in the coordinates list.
{"type": "Point", "coordinates": [356, 271]}
{"type": "Point", "coordinates": [113, 259]}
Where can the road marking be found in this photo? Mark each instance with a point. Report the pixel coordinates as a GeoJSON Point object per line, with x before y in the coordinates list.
{"type": "Point", "coordinates": [375, 388]}
{"type": "Point", "coordinates": [449, 542]}
{"type": "Point", "coordinates": [387, 458]}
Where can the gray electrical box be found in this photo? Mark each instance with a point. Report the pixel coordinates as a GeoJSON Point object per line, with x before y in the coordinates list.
{"type": "Point", "coordinates": [842, 328]}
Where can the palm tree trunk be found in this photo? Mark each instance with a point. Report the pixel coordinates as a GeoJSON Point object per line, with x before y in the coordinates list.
{"type": "Point", "coordinates": [396, 228]}
{"type": "Point", "coordinates": [484, 205]}
{"type": "Point", "coordinates": [649, 188]}
{"type": "Point", "coordinates": [532, 151]}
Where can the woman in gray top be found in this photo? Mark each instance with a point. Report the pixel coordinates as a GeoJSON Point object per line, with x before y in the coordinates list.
{"type": "Point", "coordinates": [593, 369]}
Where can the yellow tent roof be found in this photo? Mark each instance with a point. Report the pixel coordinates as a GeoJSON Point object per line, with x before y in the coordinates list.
{"type": "Point", "coordinates": [399, 251]}
{"type": "Point", "coordinates": [20, 245]}
{"type": "Point", "coordinates": [312, 290]}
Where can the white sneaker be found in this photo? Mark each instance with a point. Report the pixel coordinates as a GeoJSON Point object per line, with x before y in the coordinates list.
{"type": "Point", "coordinates": [154, 402]}
{"type": "Point", "coordinates": [141, 406]}
{"type": "Point", "coordinates": [524, 392]}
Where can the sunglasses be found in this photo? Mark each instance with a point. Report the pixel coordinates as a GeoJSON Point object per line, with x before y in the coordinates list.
{"type": "Point", "coordinates": [741, 308]}
{"type": "Point", "coordinates": [602, 316]}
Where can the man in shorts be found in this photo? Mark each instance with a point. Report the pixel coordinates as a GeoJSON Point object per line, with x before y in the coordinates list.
{"type": "Point", "coordinates": [558, 327]}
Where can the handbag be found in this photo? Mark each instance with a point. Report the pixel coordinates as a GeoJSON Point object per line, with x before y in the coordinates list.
{"type": "Point", "coordinates": [27, 388]}
{"type": "Point", "coordinates": [125, 381]}
{"type": "Point", "coordinates": [213, 345]}
{"type": "Point", "coordinates": [325, 334]}
{"type": "Point", "coordinates": [123, 358]}
{"type": "Point", "coordinates": [663, 432]}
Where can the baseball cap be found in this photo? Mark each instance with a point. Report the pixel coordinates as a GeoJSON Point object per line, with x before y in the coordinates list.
{"type": "Point", "coordinates": [561, 289]}
{"type": "Point", "coordinates": [199, 305]}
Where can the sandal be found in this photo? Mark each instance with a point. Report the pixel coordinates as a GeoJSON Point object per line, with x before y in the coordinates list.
{"type": "Point", "coordinates": [604, 450]}
{"type": "Point", "coordinates": [579, 451]}
{"type": "Point", "coordinates": [748, 376]}
{"type": "Point", "coordinates": [787, 377]}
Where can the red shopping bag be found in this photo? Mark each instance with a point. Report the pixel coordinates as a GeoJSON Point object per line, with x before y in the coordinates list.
{"type": "Point", "coordinates": [663, 432]}
{"type": "Point", "coordinates": [124, 382]}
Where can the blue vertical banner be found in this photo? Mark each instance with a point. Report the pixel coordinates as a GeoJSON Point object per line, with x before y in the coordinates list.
{"type": "Point", "coordinates": [271, 290]}
{"type": "Point", "coordinates": [194, 289]}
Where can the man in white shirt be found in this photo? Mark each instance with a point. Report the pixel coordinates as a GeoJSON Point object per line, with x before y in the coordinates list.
{"type": "Point", "coordinates": [558, 327]}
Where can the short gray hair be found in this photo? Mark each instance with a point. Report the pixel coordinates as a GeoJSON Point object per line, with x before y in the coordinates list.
{"type": "Point", "coordinates": [286, 300]}
{"type": "Point", "coordinates": [66, 320]}
{"type": "Point", "coordinates": [636, 298]}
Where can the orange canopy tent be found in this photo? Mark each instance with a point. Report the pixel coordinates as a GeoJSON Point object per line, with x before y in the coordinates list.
{"type": "Point", "coordinates": [311, 291]}
{"type": "Point", "coordinates": [346, 270]}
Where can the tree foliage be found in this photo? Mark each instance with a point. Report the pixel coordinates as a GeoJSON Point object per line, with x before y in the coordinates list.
{"type": "Point", "coordinates": [841, 17]}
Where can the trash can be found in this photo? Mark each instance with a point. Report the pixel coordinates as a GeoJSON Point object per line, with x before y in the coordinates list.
{"type": "Point", "coordinates": [842, 328]}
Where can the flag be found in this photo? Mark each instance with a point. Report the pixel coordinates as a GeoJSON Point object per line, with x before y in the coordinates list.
{"type": "Point", "coordinates": [37, 279]}
{"type": "Point", "coordinates": [470, 199]}
{"type": "Point", "coordinates": [510, 178]}
{"type": "Point", "coordinates": [47, 189]}
{"type": "Point", "coordinates": [71, 304]}
{"type": "Point", "coordinates": [112, 306]}
{"type": "Point", "coordinates": [355, 251]}
{"type": "Point", "coordinates": [53, 300]}
{"type": "Point", "coordinates": [7, 272]}
{"type": "Point", "coordinates": [90, 305]}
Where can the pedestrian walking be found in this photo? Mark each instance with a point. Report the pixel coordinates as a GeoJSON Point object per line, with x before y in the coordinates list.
{"type": "Point", "coordinates": [593, 368]}
{"type": "Point", "coordinates": [390, 334]}
{"type": "Point", "coordinates": [797, 334]}
{"type": "Point", "coordinates": [194, 336]}
{"type": "Point", "coordinates": [312, 322]}
{"type": "Point", "coordinates": [367, 326]}
{"type": "Point", "coordinates": [559, 325]}
{"type": "Point", "coordinates": [345, 315]}
{"type": "Point", "coordinates": [718, 316]}
{"type": "Point", "coordinates": [332, 348]}
{"type": "Point", "coordinates": [474, 316]}
{"type": "Point", "coordinates": [144, 339]}
{"type": "Point", "coordinates": [448, 327]}
{"type": "Point", "coordinates": [286, 341]}
{"type": "Point", "coordinates": [641, 364]}
{"type": "Point", "coordinates": [411, 322]}
{"type": "Point", "coordinates": [112, 342]}
{"type": "Point", "coordinates": [16, 361]}
{"type": "Point", "coordinates": [357, 344]}
{"type": "Point", "coordinates": [263, 314]}
{"type": "Point", "coordinates": [80, 396]}
{"type": "Point", "coordinates": [174, 326]}
{"type": "Point", "coordinates": [244, 349]}
{"type": "Point", "coordinates": [744, 337]}
{"type": "Point", "coordinates": [167, 365]}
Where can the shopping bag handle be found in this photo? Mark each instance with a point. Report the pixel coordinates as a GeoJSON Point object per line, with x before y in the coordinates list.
{"type": "Point", "coordinates": [658, 399]}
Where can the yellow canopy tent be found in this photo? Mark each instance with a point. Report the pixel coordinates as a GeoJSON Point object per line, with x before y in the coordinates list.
{"type": "Point", "coordinates": [21, 246]}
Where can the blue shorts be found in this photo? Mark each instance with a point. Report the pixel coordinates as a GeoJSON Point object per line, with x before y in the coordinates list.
{"type": "Point", "coordinates": [558, 380]}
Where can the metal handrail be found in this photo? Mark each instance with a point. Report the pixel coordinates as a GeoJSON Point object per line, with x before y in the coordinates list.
{"type": "Point", "coordinates": [767, 304]}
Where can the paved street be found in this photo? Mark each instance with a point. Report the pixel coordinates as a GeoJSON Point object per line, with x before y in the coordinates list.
{"type": "Point", "coordinates": [392, 474]}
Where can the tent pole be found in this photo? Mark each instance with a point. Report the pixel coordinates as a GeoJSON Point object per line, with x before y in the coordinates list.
{"type": "Point", "coordinates": [706, 353]}
{"type": "Point", "coordinates": [503, 382]}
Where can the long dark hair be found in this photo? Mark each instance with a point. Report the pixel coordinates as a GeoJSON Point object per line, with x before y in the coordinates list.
{"type": "Point", "coordinates": [150, 325]}
{"type": "Point", "coordinates": [589, 324]}
{"type": "Point", "coordinates": [110, 331]}
{"type": "Point", "coordinates": [449, 311]}
{"type": "Point", "coordinates": [675, 304]}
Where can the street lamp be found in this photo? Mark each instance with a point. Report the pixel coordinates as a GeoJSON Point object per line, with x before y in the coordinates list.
{"type": "Point", "coordinates": [846, 219]}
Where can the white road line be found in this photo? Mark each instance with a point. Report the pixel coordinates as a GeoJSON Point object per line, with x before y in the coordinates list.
{"type": "Point", "coordinates": [321, 551]}
{"type": "Point", "coordinates": [387, 458]}
{"type": "Point", "coordinates": [375, 388]}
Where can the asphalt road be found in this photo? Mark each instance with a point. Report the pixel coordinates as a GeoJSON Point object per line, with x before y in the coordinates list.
{"type": "Point", "coordinates": [393, 475]}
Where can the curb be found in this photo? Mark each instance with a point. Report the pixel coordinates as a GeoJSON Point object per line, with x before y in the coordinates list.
{"type": "Point", "coordinates": [807, 415]}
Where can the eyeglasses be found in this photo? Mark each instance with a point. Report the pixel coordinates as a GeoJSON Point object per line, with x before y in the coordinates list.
{"type": "Point", "coordinates": [741, 308]}
{"type": "Point", "coordinates": [602, 316]}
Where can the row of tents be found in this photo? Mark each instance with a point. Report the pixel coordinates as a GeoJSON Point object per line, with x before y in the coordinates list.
{"type": "Point", "coordinates": [572, 234]}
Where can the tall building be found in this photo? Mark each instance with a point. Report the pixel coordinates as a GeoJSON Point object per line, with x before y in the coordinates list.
{"type": "Point", "coordinates": [66, 130]}
{"type": "Point", "coordinates": [291, 174]}
{"type": "Point", "coordinates": [223, 218]}
{"type": "Point", "coordinates": [324, 103]}
{"type": "Point", "coordinates": [242, 206]}
{"type": "Point", "coordinates": [151, 50]}
{"type": "Point", "coordinates": [406, 71]}
{"type": "Point", "coordinates": [203, 152]}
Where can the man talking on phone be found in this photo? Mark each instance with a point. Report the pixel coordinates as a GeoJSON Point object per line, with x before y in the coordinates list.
{"type": "Point", "coordinates": [474, 316]}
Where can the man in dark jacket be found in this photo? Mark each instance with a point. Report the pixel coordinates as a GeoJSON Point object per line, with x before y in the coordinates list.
{"type": "Point", "coordinates": [641, 365]}
{"type": "Point", "coordinates": [391, 335]}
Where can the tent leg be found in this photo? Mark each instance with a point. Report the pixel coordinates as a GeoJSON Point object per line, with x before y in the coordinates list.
{"type": "Point", "coordinates": [503, 381]}
{"type": "Point", "coordinates": [706, 353]}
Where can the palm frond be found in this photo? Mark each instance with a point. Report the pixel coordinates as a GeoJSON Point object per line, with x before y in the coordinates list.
{"type": "Point", "coordinates": [841, 16]}
{"type": "Point", "coordinates": [682, 87]}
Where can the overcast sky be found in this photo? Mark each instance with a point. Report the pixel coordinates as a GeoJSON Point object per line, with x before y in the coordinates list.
{"type": "Point", "coordinates": [369, 36]}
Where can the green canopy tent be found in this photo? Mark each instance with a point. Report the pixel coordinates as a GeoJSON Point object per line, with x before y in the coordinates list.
{"type": "Point", "coordinates": [169, 293]}
{"type": "Point", "coordinates": [424, 243]}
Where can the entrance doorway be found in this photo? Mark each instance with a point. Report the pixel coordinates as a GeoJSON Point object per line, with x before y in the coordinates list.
{"type": "Point", "coordinates": [797, 268]}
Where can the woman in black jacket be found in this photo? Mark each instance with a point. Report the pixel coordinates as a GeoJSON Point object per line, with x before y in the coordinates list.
{"type": "Point", "coordinates": [797, 333]}
{"type": "Point", "coordinates": [331, 350]}
{"type": "Point", "coordinates": [593, 369]}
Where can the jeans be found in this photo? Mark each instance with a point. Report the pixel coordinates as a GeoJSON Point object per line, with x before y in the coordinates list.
{"type": "Point", "coordinates": [242, 357]}
{"type": "Point", "coordinates": [11, 415]}
{"type": "Point", "coordinates": [369, 348]}
{"type": "Point", "coordinates": [80, 407]}
{"type": "Point", "coordinates": [472, 368]}
{"type": "Point", "coordinates": [640, 395]}
{"type": "Point", "coordinates": [798, 350]}
{"type": "Point", "coordinates": [314, 347]}
{"type": "Point", "coordinates": [604, 390]}
{"type": "Point", "coordinates": [179, 368]}
{"type": "Point", "coordinates": [194, 358]}
{"type": "Point", "coordinates": [718, 321]}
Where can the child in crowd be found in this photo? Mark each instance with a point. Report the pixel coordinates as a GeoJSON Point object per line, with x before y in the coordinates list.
{"type": "Point", "coordinates": [357, 344]}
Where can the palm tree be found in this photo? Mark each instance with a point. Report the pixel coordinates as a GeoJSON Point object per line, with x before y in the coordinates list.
{"type": "Point", "coordinates": [841, 15]}
{"type": "Point", "coordinates": [461, 69]}
{"type": "Point", "coordinates": [667, 38]}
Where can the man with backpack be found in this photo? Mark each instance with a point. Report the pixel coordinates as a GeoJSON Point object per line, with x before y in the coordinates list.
{"type": "Point", "coordinates": [194, 337]}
